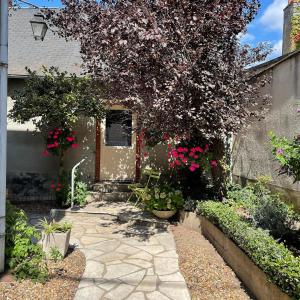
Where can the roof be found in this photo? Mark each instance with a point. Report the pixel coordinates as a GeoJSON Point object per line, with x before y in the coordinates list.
{"type": "Point", "coordinates": [258, 69]}
{"type": "Point", "coordinates": [24, 50]}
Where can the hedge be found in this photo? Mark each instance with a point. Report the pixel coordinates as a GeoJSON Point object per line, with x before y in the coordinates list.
{"type": "Point", "coordinates": [278, 262]}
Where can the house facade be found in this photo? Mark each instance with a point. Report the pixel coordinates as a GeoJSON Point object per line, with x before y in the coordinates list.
{"type": "Point", "coordinates": [252, 155]}
{"type": "Point", "coordinates": [110, 153]}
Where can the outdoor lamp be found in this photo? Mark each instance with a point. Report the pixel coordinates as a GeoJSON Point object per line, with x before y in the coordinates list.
{"type": "Point", "coordinates": [39, 27]}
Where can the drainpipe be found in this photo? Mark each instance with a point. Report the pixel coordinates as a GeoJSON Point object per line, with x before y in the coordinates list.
{"type": "Point", "coordinates": [73, 181]}
{"type": "Point", "coordinates": [3, 121]}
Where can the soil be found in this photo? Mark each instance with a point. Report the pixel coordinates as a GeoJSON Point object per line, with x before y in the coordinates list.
{"type": "Point", "coordinates": [64, 279]}
{"type": "Point", "coordinates": [207, 276]}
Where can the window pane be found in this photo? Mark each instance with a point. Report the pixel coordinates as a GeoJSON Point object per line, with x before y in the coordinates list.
{"type": "Point", "coordinates": [118, 128]}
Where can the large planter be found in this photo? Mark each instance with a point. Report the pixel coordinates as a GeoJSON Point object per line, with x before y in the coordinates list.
{"type": "Point", "coordinates": [162, 214]}
{"type": "Point", "coordinates": [57, 240]}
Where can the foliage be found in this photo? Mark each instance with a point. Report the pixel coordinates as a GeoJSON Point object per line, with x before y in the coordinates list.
{"type": "Point", "coordinates": [192, 158]}
{"type": "Point", "coordinates": [80, 193]}
{"type": "Point", "coordinates": [23, 256]}
{"type": "Point", "coordinates": [161, 197]}
{"type": "Point", "coordinates": [55, 254]}
{"type": "Point", "coordinates": [56, 100]}
{"type": "Point", "coordinates": [60, 140]}
{"type": "Point", "coordinates": [176, 63]}
{"type": "Point", "coordinates": [295, 30]}
{"type": "Point", "coordinates": [51, 227]}
{"type": "Point", "coordinates": [287, 153]}
{"type": "Point", "coordinates": [280, 265]}
{"type": "Point", "coordinates": [266, 210]}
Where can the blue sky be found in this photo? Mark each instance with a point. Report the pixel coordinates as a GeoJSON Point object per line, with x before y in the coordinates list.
{"type": "Point", "coordinates": [267, 25]}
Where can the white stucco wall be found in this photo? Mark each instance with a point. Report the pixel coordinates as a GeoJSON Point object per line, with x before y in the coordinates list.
{"type": "Point", "coordinates": [252, 152]}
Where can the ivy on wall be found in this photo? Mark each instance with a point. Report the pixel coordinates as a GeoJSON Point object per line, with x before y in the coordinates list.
{"type": "Point", "coordinates": [295, 31]}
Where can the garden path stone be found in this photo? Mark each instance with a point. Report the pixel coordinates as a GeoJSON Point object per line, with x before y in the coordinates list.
{"type": "Point", "coordinates": [126, 261]}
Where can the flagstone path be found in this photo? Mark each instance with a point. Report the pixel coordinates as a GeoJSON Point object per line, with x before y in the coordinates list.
{"type": "Point", "coordinates": [126, 261]}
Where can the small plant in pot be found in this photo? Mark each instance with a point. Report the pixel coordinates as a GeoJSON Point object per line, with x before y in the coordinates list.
{"type": "Point", "coordinates": [55, 235]}
{"type": "Point", "coordinates": [163, 201]}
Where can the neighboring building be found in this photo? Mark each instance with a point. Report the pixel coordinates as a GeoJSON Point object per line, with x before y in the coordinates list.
{"type": "Point", "coordinates": [110, 153]}
{"type": "Point", "coordinates": [252, 150]}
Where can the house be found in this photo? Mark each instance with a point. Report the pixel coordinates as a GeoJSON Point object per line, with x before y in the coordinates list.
{"type": "Point", "coordinates": [110, 153]}
{"type": "Point", "coordinates": [252, 155]}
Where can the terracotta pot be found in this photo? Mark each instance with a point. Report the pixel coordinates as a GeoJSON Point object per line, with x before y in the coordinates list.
{"type": "Point", "coordinates": [164, 214]}
{"type": "Point", "coordinates": [59, 240]}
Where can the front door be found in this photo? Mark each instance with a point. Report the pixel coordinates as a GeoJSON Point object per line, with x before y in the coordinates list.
{"type": "Point", "coordinates": [118, 146]}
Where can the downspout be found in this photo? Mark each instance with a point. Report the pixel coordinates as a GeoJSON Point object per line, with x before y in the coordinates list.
{"type": "Point", "coordinates": [3, 122]}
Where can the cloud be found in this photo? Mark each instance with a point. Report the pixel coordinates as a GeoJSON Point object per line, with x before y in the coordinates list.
{"type": "Point", "coordinates": [277, 50]}
{"type": "Point", "coordinates": [272, 18]}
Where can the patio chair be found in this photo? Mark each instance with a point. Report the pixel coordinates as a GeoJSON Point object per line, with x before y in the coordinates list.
{"type": "Point", "coordinates": [138, 189]}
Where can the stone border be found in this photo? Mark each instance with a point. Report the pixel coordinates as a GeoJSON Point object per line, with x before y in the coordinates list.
{"type": "Point", "coordinates": [252, 276]}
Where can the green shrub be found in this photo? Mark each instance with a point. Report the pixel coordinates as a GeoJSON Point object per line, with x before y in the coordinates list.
{"type": "Point", "coordinates": [80, 194]}
{"type": "Point", "coordinates": [55, 254]}
{"type": "Point", "coordinates": [280, 265]}
{"type": "Point", "coordinates": [162, 197]}
{"type": "Point", "coordinates": [23, 256]}
{"type": "Point", "coordinates": [267, 210]}
{"type": "Point", "coordinates": [50, 227]}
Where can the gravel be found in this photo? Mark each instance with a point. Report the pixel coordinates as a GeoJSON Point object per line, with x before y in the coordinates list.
{"type": "Point", "coordinates": [64, 279]}
{"type": "Point", "coordinates": [206, 274]}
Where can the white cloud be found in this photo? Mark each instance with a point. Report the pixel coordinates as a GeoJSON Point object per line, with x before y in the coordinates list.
{"type": "Point", "coordinates": [277, 50]}
{"type": "Point", "coordinates": [272, 18]}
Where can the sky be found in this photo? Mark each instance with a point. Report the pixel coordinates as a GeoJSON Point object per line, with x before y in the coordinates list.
{"type": "Point", "coordinates": [267, 26]}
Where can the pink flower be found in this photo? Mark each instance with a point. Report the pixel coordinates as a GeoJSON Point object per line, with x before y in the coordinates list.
{"type": "Point", "coordinates": [279, 151]}
{"type": "Point", "coordinates": [185, 150]}
{"type": "Point", "coordinates": [184, 160]}
{"type": "Point", "coordinates": [191, 154]}
{"type": "Point", "coordinates": [213, 163]}
{"type": "Point", "coordinates": [196, 156]}
{"type": "Point", "coordinates": [194, 165]}
{"type": "Point", "coordinates": [55, 137]}
{"type": "Point", "coordinates": [181, 156]}
{"type": "Point", "coordinates": [45, 153]}
{"type": "Point", "coordinates": [172, 165]}
{"type": "Point", "coordinates": [177, 162]}
{"type": "Point", "coordinates": [74, 146]}
{"type": "Point", "coordinates": [180, 149]}
{"type": "Point", "coordinates": [49, 146]}
{"type": "Point", "coordinates": [206, 147]}
{"type": "Point", "coordinates": [192, 169]}
{"type": "Point", "coordinates": [174, 153]}
{"type": "Point", "coordinates": [52, 186]}
{"type": "Point", "coordinates": [70, 138]}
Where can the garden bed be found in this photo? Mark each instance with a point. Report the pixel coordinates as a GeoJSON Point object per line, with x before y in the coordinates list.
{"type": "Point", "coordinates": [64, 279]}
{"type": "Point", "coordinates": [274, 263]}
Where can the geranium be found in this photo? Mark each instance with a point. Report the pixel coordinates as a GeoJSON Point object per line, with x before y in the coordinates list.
{"type": "Point", "coordinates": [193, 158]}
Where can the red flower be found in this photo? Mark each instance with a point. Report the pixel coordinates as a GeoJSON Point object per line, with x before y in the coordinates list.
{"type": "Point", "coordinates": [177, 162]}
{"type": "Point", "coordinates": [146, 154]}
{"type": "Point", "coordinates": [181, 156]}
{"type": "Point", "coordinates": [52, 186]}
{"type": "Point", "coordinates": [192, 169]}
{"type": "Point", "coordinates": [206, 147]}
{"type": "Point", "coordinates": [184, 160]}
{"type": "Point", "coordinates": [74, 146]}
{"type": "Point", "coordinates": [70, 138]}
{"type": "Point", "coordinates": [56, 136]}
{"type": "Point", "coordinates": [174, 153]}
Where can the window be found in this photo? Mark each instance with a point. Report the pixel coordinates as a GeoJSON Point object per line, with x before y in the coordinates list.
{"type": "Point", "coordinates": [118, 131]}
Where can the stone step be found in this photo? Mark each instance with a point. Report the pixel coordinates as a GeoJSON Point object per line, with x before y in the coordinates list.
{"type": "Point", "coordinates": [109, 197]}
{"type": "Point", "coordinates": [109, 187]}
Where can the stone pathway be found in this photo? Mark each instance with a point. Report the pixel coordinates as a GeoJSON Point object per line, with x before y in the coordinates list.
{"type": "Point", "coordinates": [126, 261]}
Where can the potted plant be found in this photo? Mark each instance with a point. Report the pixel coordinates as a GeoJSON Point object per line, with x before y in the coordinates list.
{"type": "Point", "coordinates": [55, 235]}
{"type": "Point", "coordinates": [163, 201]}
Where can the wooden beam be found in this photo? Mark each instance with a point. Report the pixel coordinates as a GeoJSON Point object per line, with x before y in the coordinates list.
{"type": "Point", "coordinates": [98, 152]}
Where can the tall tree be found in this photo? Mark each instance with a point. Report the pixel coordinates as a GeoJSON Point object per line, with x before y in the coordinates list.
{"type": "Point", "coordinates": [178, 63]}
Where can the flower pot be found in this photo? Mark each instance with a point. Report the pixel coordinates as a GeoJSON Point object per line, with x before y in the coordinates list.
{"type": "Point", "coordinates": [164, 214]}
{"type": "Point", "coordinates": [58, 240]}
